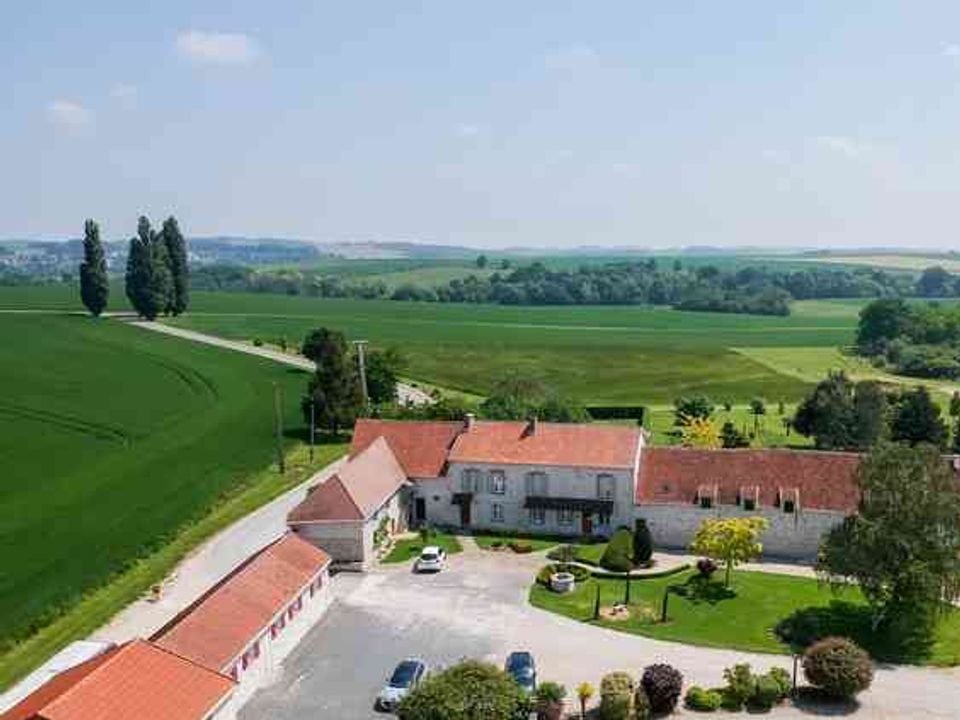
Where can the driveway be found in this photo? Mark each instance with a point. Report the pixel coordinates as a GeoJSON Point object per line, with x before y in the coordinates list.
{"type": "Point", "coordinates": [477, 608]}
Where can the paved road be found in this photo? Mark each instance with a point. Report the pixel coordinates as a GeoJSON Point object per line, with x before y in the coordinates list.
{"type": "Point", "coordinates": [208, 564]}
{"type": "Point", "coordinates": [406, 394]}
{"type": "Point", "coordinates": [477, 608]}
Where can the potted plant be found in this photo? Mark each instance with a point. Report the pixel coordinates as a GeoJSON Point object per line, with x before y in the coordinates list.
{"type": "Point", "coordinates": [585, 691]}
{"type": "Point", "coordinates": [549, 700]}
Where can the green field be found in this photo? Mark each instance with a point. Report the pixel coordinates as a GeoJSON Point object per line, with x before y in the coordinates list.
{"type": "Point", "coordinates": [113, 440]}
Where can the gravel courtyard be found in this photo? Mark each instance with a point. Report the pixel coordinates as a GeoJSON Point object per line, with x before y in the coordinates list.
{"type": "Point", "coordinates": [477, 608]}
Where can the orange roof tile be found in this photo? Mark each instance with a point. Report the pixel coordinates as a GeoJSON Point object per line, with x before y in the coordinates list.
{"type": "Point", "coordinates": [595, 446]}
{"type": "Point", "coordinates": [137, 680]}
{"type": "Point", "coordinates": [362, 486]}
{"type": "Point", "coordinates": [421, 447]}
{"type": "Point", "coordinates": [826, 480]}
{"type": "Point", "coordinates": [218, 626]}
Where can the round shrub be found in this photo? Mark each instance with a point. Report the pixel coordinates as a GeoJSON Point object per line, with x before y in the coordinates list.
{"type": "Point", "coordinates": [663, 684]}
{"type": "Point", "coordinates": [618, 555]}
{"type": "Point", "coordinates": [740, 685]}
{"type": "Point", "coordinates": [838, 666]}
{"type": "Point", "coordinates": [641, 705]}
{"type": "Point", "coordinates": [783, 680]}
{"type": "Point", "coordinates": [766, 693]}
{"type": "Point", "coordinates": [706, 567]}
{"type": "Point", "coordinates": [521, 547]}
{"type": "Point", "coordinates": [702, 700]}
{"type": "Point", "coordinates": [471, 688]}
{"type": "Point", "coordinates": [617, 691]}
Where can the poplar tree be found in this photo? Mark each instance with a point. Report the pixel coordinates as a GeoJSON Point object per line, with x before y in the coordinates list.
{"type": "Point", "coordinates": [148, 280]}
{"type": "Point", "coordinates": [176, 249]}
{"type": "Point", "coordinates": [94, 283]}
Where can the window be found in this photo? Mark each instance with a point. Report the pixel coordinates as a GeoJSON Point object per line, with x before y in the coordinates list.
{"type": "Point", "coordinates": [470, 480]}
{"type": "Point", "coordinates": [606, 486]}
{"type": "Point", "coordinates": [235, 672]}
{"type": "Point", "coordinates": [498, 482]}
{"type": "Point", "coordinates": [565, 516]}
{"type": "Point", "coordinates": [537, 484]}
{"type": "Point", "coordinates": [706, 502]}
{"type": "Point", "coordinates": [496, 512]}
{"type": "Point", "coordinates": [255, 650]}
{"type": "Point", "coordinates": [603, 519]}
{"type": "Point", "coordinates": [536, 516]}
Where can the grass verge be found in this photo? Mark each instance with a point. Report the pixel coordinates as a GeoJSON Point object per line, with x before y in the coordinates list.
{"type": "Point", "coordinates": [409, 548]}
{"type": "Point", "coordinates": [99, 606]}
{"type": "Point", "coordinates": [492, 539]}
{"type": "Point", "coordinates": [744, 617]}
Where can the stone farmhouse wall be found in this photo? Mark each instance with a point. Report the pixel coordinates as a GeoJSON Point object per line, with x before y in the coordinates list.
{"type": "Point", "coordinates": [794, 536]}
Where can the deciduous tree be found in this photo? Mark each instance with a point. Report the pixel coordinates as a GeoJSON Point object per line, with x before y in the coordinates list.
{"type": "Point", "coordinates": [686, 409]}
{"type": "Point", "coordinates": [730, 437]}
{"type": "Point", "coordinates": [700, 432]}
{"type": "Point", "coordinates": [916, 419]}
{"type": "Point", "coordinates": [176, 257]}
{"type": "Point", "coordinates": [730, 541]}
{"type": "Point", "coordinates": [148, 282]}
{"type": "Point", "coordinates": [94, 283]}
{"type": "Point", "coordinates": [334, 391]}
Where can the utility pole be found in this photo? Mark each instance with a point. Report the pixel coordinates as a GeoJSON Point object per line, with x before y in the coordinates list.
{"type": "Point", "coordinates": [313, 426]}
{"type": "Point", "coordinates": [360, 345]}
{"type": "Point", "coordinates": [278, 426]}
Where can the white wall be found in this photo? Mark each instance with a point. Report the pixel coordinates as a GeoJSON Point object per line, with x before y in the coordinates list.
{"type": "Point", "coordinates": [791, 535]}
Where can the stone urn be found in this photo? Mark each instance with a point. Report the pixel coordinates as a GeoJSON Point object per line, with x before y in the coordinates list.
{"type": "Point", "coordinates": [562, 582]}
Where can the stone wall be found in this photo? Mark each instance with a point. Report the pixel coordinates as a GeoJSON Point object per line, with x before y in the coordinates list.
{"type": "Point", "coordinates": [342, 541]}
{"type": "Point", "coordinates": [791, 535]}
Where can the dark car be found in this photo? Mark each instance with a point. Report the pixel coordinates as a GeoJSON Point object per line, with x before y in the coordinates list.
{"type": "Point", "coordinates": [406, 676]}
{"type": "Point", "coordinates": [521, 667]}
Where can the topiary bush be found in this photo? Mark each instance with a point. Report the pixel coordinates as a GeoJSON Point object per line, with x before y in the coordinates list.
{"type": "Point", "coordinates": [663, 684]}
{"type": "Point", "coordinates": [702, 700]}
{"type": "Point", "coordinates": [642, 542]}
{"type": "Point", "coordinates": [838, 666]}
{"type": "Point", "coordinates": [617, 690]}
{"type": "Point", "coordinates": [641, 705]}
{"type": "Point", "coordinates": [766, 693]}
{"type": "Point", "coordinates": [619, 552]}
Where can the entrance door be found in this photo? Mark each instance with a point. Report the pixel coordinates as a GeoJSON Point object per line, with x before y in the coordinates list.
{"type": "Point", "coordinates": [419, 510]}
{"type": "Point", "coordinates": [586, 523]}
{"type": "Point", "coordinates": [465, 512]}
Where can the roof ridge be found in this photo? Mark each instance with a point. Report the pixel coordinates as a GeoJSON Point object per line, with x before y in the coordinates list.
{"type": "Point", "coordinates": [207, 668]}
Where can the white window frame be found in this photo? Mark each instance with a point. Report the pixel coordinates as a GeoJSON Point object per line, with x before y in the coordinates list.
{"type": "Point", "coordinates": [537, 516]}
{"type": "Point", "coordinates": [496, 512]}
{"type": "Point", "coordinates": [498, 482]}
{"type": "Point", "coordinates": [564, 516]}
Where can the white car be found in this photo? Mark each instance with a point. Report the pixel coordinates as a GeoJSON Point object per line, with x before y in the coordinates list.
{"type": "Point", "coordinates": [432, 559]}
{"type": "Point", "coordinates": [406, 676]}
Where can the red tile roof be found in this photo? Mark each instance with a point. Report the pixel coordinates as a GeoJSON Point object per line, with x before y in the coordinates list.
{"type": "Point", "coordinates": [826, 480]}
{"type": "Point", "coordinates": [218, 626]}
{"type": "Point", "coordinates": [421, 447]}
{"type": "Point", "coordinates": [137, 680]}
{"type": "Point", "coordinates": [594, 446]}
{"type": "Point", "coordinates": [362, 486]}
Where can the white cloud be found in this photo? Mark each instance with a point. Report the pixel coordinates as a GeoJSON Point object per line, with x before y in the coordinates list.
{"type": "Point", "coordinates": [125, 94]}
{"type": "Point", "coordinates": [68, 114]}
{"type": "Point", "coordinates": [217, 48]}
{"type": "Point", "coordinates": [843, 145]}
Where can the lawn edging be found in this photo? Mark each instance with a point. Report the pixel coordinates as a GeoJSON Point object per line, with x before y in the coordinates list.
{"type": "Point", "coordinates": [612, 575]}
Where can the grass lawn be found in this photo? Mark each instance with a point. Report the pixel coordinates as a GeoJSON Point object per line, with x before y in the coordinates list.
{"type": "Point", "coordinates": [745, 618]}
{"type": "Point", "coordinates": [485, 541]}
{"type": "Point", "coordinates": [588, 553]}
{"type": "Point", "coordinates": [408, 549]}
{"type": "Point", "coordinates": [113, 441]}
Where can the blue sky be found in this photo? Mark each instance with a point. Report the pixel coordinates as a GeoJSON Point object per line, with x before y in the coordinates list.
{"type": "Point", "coordinates": [489, 124]}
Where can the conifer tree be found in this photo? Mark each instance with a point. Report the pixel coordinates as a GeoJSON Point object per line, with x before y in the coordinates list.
{"type": "Point", "coordinates": [176, 249]}
{"type": "Point", "coordinates": [334, 390]}
{"type": "Point", "coordinates": [94, 283]}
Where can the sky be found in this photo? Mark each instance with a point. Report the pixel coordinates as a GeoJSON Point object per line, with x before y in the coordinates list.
{"type": "Point", "coordinates": [496, 124]}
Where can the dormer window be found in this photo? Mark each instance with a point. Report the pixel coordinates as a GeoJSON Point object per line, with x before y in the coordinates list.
{"type": "Point", "coordinates": [788, 500]}
{"type": "Point", "coordinates": [748, 497]}
{"type": "Point", "coordinates": [706, 496]}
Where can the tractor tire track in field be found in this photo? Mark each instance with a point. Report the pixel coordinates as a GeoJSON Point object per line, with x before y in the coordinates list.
{"type": "Point", "coordinates": [100, 431]}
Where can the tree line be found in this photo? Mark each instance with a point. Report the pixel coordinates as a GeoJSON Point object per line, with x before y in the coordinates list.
{"type": "Point", "coordinates": [157, 276]}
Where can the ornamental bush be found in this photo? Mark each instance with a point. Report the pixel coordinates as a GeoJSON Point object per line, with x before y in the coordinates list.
{"type": "Point", "coordinates": [617, 690]}
{"type": "Point", "coordinates": [766, 693]}
{"type": "Point", "coordinates": [642, 542]}
{"type": "Point", "coordinates": [663, 684]}
{"type": "Point", "coordinates": [619, 552]}
{"type": "Point", "coordinates": [838, 666]}
{"type": "Point", "coordinates": [783, 680]}
{"type": "Point", "coordinates": [641, 705]}
{"type": "Point", "coordinates": [702, 700]}
{"type": "Point", "coordinates": [706, 567]}
{"type": "Point", "coordinates": [740, 685]}
{"type": "Point", "coordinates": [465, 691]}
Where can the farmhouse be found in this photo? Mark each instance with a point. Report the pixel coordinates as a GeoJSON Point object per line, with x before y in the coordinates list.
{"type": "Point", "coordinates": [576, 480]}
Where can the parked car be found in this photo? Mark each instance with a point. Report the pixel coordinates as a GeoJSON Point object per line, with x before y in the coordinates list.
{"type": "Point", "coordinates": [406, 676]}
{"type": "Point", "coordinates": [521, 667]}
{"type": "Point", "coordinates": [432, 559]}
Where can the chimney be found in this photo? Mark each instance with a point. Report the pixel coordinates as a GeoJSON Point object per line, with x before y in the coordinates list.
{"type": "Point", "coordinates": [468, 420]}
{"type": "Point", "coordinates": [532, 425]}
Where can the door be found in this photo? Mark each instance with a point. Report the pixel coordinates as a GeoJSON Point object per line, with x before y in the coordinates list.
{"type": "Point", "coordinates": [586, 523]}
{"type": "Point", "coordinates": [419, 510]}
{"type": "Point", "coordinates": [465, 512]}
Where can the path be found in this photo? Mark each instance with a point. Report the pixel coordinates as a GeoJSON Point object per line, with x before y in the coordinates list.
{"type": "Point", "coordinates": [406, 394]}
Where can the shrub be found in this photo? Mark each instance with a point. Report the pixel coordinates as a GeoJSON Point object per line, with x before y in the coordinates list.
{"type": "Point", "coordinates": [521, 547]}
{"type": "Point", "coordinates": [619, 551]}
{"type": "Point", "coordinates": [549, 698]}
{"type": "Point", "coordinates": [766, 693]}
{"type": "Point", "coordinates": [663, 684]}
{"type": "Point", "coordinates": [838, 666]}
{"type": "Point", "coordinates": [702, 700]}
{"type": "Point", "coordinates": [257, 342]}
{"type": "Point", "coordinates": [740, 684]}
{"type": "Point", "coordinates": [468, 689]}
{"type": "Point", "coordinates": [642, 542]}
{"type": "Point", "coordinates": [496, 544]}
{"type": "Point", "coordinates": [706, 567]}
{"type": "Point", "coordinates": [617, 691]}
{"type": "Point", "coordinates": [641, 705]}
{"type": "Point", "coordinates": [783, 680]}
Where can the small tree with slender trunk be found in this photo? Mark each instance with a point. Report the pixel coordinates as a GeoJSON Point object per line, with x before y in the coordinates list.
{"type": "Point", "coordinates": [730, 541]}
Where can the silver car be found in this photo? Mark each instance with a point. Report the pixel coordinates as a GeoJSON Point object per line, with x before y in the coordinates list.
{"type": "Point", "coordinates": [406, 676]}
{"type": "Point", "coordinates": [432, 559]}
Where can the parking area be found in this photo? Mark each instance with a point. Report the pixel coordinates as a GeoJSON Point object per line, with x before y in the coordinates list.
{"type": "Point", "coordinates": [477, 608]}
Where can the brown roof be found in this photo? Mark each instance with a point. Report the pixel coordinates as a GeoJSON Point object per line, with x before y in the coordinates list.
{"type": "Point", "coordinates": [421, 447]}
{"type": "Point", "coordinates": [362, 486]}
{"type": "Point", "coordinates": [826, 480]}
{"type": "Point", "coordinates": [138, 680]}
{"type": "Point", "coordinates": [595, 446]}
{"type": "Point", "coordinates": [218, 626]}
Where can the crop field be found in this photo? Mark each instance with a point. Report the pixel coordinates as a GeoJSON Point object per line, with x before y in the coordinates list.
{"type": "Point", "coordinates": [113, 439]}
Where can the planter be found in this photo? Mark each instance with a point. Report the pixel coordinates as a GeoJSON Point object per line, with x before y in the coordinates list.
{"type": "Point", "coordinates": [562, 582]}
